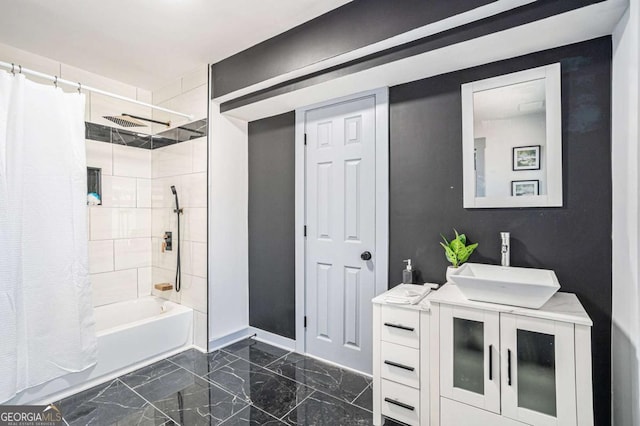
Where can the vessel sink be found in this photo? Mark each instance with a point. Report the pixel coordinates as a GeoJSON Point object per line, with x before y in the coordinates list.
{"type": "Point", "coordinates": [506, 285]}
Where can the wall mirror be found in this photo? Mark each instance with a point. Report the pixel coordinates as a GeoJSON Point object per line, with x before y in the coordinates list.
{"type": "Point", "coordinates": [512, 140]}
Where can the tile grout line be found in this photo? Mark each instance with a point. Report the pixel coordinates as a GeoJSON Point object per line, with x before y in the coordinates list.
{"type": "Point", "coordinates": [148, 402]}
{"type": "Point", "coordinates": [278, 359]}
{"type": "Point", "coordinates": [297, 405]}
{"type": "Point", "coordinates": [359, 395]}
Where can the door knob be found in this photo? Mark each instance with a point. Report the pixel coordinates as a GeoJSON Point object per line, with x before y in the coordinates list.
{"type": "Point", "coordinates": [365, 255]}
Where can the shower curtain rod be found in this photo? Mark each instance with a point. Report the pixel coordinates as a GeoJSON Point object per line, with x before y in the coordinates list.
{"type": "Point", "coordinates": [13, 68]}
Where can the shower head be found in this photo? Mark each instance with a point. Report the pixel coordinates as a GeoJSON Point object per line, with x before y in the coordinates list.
{"type": "Point", "coordinates": [173, 190]}
{"type": "Point", "coordinates": [128, 120]}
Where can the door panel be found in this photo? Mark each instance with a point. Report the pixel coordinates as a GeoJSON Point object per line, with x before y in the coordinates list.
{"type": "Point", "coordinates": [340, 218]}
{"type": "Point", "coordinates": [538, 385]}
{"type": "Point", "coordinates": [469, 348]}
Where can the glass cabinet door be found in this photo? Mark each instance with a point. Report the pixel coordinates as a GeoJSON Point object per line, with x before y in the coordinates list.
{"type": "Point", "coordinates": [538, 370]}
{"type": "Point", "coordinates": [469, 354]}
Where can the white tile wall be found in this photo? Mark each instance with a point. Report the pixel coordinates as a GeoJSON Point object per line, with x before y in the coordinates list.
{"type": "Point", "coordinates": [195, 224]}
{"type": "Point", "coordinates": [199, 153]}
{"type": "Point", "coordinates": [132, 162]}
{"type": "Point", "coordinates": [172, 160]}
{"type": "Point", "coordinates": [195, 189]}
{"type": "Point", "coordinates": [118, 191]}
{"type": "Point", "coordinates": [143, 190]}
{"type": "Point", "coordinates": [132, 253]}
{"type": "Point", "coordinates": [100, 256]}
{"type": "Point", "coordinates": [111, 287]}
{"type": "Point", "coordinates": [100, 155]}
{"type": "Point", "coordinates": [194, 292]}
{"type": "Point", "coordinates": [113, 223]}
{"type": "Point", "coordinates": [144, 281]}
{"type": "Point", "coordinates": [200, 329]}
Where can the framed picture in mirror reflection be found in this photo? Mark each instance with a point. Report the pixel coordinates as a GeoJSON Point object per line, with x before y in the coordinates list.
{"type": "Point", "coordinates": [526, 157]}
{"type": "Point", "coordinates": [525, 188]}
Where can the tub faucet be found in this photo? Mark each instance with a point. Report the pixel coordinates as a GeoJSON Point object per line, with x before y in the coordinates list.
{"type": "Point", "coordinates": [506, 249]}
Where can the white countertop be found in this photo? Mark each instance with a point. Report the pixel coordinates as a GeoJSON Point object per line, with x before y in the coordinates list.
{"type": "Point", "coordinates": [563, 307]}
{"type": "Point", "coordinates": [399, 292]}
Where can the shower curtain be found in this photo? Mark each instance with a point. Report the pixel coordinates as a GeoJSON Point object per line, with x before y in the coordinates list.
{"type": "Point", "coordinates": [46, 314]}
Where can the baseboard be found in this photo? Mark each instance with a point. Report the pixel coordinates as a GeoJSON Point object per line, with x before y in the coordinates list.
{"type": "Point", "coordinates": [220, 342]}
{"type": "Point", "coordinates": [273, 339]}
{"type": "Point", "coordinates": [362, 373]}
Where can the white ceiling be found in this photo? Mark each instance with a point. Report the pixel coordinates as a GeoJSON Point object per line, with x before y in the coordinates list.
{"type": "Point", "coordinates": [148, 43]}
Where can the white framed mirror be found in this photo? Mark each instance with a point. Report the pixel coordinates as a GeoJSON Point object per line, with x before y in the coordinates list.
{"type": "Point", "coordinates": [512, 140]}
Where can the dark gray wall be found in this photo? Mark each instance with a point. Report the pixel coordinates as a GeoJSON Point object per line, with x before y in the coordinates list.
{"type": "Point", "coordinates": [271, 224]}
{"type": "Point", "coordinates": [426, 195]}
{"type": "Point", "coordinates": [574, 241]}
{"type": "Point", "coordinates": [352, 26]}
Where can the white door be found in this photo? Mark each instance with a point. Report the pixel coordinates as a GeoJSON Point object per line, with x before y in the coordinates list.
{"type": "Point", "coordinates": [538, 363]}
{"type": "Point", "coordinates": [469, 356]}
{"type": "Point", "coordinates": [340, 220]}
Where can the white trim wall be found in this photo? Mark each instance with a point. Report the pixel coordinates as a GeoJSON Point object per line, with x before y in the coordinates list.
{"type": "Point", "coordinates": [228, 225]}
{"type": "Point", "coordinates": [625, 333]}
{"type": "Point", "coordinates": [382, 201]}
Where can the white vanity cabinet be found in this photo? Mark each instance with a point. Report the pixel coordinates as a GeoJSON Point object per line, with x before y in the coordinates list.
{"type": "Point", "coordinates": [504, 365]}
{"type": "Point", "coordinates": [401, 361]}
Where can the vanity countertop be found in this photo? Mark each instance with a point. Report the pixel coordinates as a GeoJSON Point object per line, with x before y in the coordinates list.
{"type": "Point", "coordinates": [398, 292]}
{"type": "Point", "coordinates": [563, 307]}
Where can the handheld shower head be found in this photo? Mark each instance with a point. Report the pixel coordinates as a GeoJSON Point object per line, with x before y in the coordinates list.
{"type": "Point", "coordinates": [175, 194]}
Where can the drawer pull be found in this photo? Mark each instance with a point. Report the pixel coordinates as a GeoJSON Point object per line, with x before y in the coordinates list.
{"type": "Point", "coordinates": [400, 404]}
{"type": "Point", "coordinates": [401, 327]}
{"type": "Point", "coordinates": [395, 364]}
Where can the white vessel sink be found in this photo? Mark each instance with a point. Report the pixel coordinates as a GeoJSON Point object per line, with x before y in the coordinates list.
{"type": "Point", "coordinates": [506, 285]}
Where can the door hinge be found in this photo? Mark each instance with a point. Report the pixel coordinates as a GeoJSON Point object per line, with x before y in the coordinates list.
{"type": "Point", "coordinates": [305, 321]}
{"type": "Point", "coordinates": [305, 139]}
{"type": "Point", "coordinates": [305, 230]}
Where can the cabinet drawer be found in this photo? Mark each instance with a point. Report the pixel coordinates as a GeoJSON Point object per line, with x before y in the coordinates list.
{"type": "Point", "coordinates": [400, 364]}
{"type": "Point", "coordinates": [401, 326]}
{"type": "Point", "coordinates": [400, 402]}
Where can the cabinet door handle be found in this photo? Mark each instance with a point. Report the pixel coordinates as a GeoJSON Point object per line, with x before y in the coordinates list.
{"type": "Point", "coordinates": [490, 362]}
{"type": "Point", "coordinates": [401, 327]}
{"type": "Point", "coordinates": [395, 364]}
{"type": "Point", "coordinates": [509, 367]}
{"type": "Point", "coordinates": [399, 404]}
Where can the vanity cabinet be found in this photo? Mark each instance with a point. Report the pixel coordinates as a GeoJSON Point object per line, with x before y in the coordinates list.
{"type": "Point", "coordinates": [401, 361]}
{"type": "Point", "coordinates": [505, 365]}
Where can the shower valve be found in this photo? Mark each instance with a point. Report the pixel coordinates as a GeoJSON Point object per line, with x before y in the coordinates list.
{"type": "Point", "coordinates": [168, 241]}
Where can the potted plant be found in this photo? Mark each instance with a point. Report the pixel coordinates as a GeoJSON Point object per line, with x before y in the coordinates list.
{"type": "Point", "coordinates": [457, 251]}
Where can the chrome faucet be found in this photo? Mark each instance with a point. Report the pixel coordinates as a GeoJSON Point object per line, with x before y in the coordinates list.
{"type": "Point", "coordinates": [506, 249]}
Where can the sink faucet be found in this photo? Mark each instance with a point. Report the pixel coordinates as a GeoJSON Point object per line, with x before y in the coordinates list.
{"type": "Point", "coordinates": [506, 249]}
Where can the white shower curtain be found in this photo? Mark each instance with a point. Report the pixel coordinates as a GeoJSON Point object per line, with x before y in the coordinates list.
{"type": "Point", "coordinates": [46, 315]}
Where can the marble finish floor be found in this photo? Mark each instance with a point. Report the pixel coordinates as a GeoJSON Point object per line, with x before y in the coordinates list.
{"type": "Point", "coordinates": [246, 383]}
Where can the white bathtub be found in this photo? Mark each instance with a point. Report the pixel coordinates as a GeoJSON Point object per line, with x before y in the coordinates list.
{"type": "Point", "coordinates": [130, 334]}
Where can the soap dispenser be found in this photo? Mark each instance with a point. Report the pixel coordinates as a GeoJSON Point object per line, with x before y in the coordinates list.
{"type": "Point", "coordinates": [408, 274]}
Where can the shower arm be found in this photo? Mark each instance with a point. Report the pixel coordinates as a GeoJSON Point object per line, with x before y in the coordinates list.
{"type": "Point", "coordinates": [13, 68]}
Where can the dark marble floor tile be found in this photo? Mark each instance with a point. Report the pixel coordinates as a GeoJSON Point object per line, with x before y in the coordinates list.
{"type": "Point", "coordinates": [190, 400]}
{"type": "Point", "coordinates": [148, 373]}
{"type": "Point", "coordinates": [110, 403]}
{"type": "Point", "coordinates": [252, 416]}
{"type": "Point", "coordinates": [328, 378]}
{"type": "Point", "coordinates": [257, 352]}
{"type": "Point", "coordinates": [322, 409]}
{"type": "Point", "coordinates": [201, 363]}
{"type": "Point", "coordinates": [263, 388]}
{"type": "Point", "coordinates": [365, 400]}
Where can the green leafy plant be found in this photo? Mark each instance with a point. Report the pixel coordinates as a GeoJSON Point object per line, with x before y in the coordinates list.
{"type": "Point", "coordinates": [457, 251]}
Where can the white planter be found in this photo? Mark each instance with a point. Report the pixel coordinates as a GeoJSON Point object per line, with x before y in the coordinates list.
{"type": "Point", "coordinates": [450, 271]}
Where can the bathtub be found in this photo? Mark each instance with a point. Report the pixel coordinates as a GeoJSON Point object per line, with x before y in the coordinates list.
{"type": "Point", "coordinates": [130, 334]}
